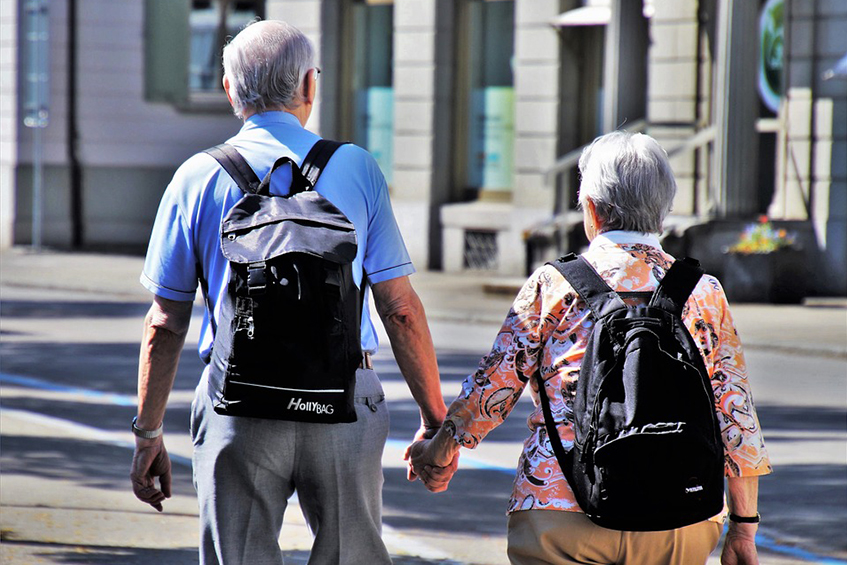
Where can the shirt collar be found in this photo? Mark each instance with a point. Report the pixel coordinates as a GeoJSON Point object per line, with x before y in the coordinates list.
{"type": "Point", "coordinates": [620, 237]}
{"type": "Point", "coordinates": [268, 118]}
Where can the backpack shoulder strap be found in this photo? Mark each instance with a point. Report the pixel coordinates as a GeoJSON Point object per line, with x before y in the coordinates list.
{"type": "Point", "coordinates": [236, 167]}
{"type": "Point", "coordinates": [588, 283]}
{"type": "Point", "coordinates": [677, 284]}
{"type": "Point", "coordinates": [317, 158]}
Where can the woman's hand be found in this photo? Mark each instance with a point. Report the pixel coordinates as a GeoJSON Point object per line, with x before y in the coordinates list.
{"type": "Point", "coordinates": [434, 461]}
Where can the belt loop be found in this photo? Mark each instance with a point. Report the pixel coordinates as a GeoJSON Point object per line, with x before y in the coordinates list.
{"type": "Point", "coordinates": [367, 361]}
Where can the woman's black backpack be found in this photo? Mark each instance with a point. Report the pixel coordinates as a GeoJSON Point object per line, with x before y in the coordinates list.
{"type": "Point", "coordinates": [288, 344]}
{"type": "Point", "coordinates": [648, 453]}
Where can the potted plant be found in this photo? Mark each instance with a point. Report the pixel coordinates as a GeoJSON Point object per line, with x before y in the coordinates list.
{"type": "Point", "coordinates": [765, 265]}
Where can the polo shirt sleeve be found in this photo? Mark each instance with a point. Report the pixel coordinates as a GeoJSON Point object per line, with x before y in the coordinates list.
{"type": "Point", "coordinates": [386, 257]}
{"type": "Point", "coordinates": [170, 268]}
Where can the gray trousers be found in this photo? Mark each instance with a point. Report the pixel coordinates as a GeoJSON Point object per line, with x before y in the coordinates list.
{"type": "Point", "coordinates": [246, 469]}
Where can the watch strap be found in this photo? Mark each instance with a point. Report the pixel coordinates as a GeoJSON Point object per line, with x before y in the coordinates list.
{"type": "Point", "coordinates": [145, 434]}
{"type": "Point", "coordinates": [745, 519]}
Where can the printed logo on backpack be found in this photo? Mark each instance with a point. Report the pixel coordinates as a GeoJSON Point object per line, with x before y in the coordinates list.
{"type": "Point", "coordinates": [647, 453]}
{"type": "Point", "coordinates": [288, 343]}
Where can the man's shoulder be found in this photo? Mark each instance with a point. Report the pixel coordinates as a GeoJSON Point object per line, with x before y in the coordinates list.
{"type": "Point", "coordinates": [355, 164]}
{"type": "Point", "coordinates": [354, 154]}
{"type": "Point", "coordinates": [198, 166]}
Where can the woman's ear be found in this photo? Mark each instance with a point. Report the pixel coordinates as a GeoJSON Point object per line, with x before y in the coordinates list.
{"type": "Point", "coordinates": [590, 221]}
{"type": "Point", "coordinates": [226, 85]}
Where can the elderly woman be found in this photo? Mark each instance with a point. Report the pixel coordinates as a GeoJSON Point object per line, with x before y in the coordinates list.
{"type": "Point", "coordinates": [626, 191]}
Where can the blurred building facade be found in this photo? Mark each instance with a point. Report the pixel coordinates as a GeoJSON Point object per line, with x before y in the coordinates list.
{"type": "Point", "coordinates": [475, 109]}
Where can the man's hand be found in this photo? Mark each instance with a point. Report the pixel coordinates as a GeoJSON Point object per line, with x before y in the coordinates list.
{"type": "Point", "coordinates": [739, 547]}
{"type": "Point", "coordinates": [150, 461]}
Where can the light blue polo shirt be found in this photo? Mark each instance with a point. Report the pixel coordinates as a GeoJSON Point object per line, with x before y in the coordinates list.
{"type": "Point", "coordinates": [186, 233]}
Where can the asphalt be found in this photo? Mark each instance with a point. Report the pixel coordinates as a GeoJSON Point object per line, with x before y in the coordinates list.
{"type": "Point", "coordinates": [470, 305]}
{"type": "Point", "coordinates": [816, 327]}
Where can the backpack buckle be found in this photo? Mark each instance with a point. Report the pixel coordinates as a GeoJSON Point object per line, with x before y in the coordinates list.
{"type": "Point", "coordinates": [257, 279]}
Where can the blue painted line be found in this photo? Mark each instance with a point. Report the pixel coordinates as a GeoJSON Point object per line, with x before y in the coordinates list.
{"type": "Point", "coordinates": [39, 384]}
{"type": "Point", "coordinates": [764, 542]}
{"type": "Point", "coordinates": [465, 461]}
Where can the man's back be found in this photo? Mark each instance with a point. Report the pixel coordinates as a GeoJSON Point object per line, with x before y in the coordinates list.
{"type": "Point", "coordinates": [201, 194]}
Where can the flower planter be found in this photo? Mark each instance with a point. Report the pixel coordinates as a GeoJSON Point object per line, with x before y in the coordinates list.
{"type": "Point", "coordinates": [776, 277]}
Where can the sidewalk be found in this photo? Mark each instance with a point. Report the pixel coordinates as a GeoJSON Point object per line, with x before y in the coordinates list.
{"type": "Point", "coordinates": [818, 327]}
{"type": "Point", "coordinates": [58, 510]}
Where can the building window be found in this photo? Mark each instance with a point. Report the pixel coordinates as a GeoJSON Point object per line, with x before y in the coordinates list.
{"type": "Point", "coordinates": [211, 23]}
{"type": "Point", "coordinates": [486, 106]}
{"type": "Point", "coordinates": [480, 250]}
{"type": "Point", "coordinates": [183, 44]}
{"type": "Point", "coordinates": [370, 76]}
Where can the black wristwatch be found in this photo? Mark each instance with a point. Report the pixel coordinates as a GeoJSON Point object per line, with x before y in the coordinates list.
{"type": "Point", "coordinates": [745, 519]}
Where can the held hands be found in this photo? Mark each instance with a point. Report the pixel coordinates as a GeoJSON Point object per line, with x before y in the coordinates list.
{"type": "Point", "coordinates": [150, 461]}
{"type": "Point", "coordinates": [429, 461]}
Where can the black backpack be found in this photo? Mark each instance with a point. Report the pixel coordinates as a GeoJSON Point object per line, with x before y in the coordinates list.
{"type": "Point", "coordinates": [648, 453]}
{"type": "Point", "coordinates": [288, 344]}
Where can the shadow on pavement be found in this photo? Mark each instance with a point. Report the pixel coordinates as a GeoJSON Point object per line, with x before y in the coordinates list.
{"type": "Point", "coordinates": [104, 367]}
{"type": "Point", "coordinates": [97, 555]}
{"type": "Point", "coordinates": [62, 554]}
{"type": "Point", "coordinates": [86, 463]}
{"type": "Point", "coordinates": [71, 309]}
{"type": "Point", "coordinates": [108, 417]}
{"type": "Point", "coordinates": [811, 497]}
{"type": "Point", "coordinates": [801, 419]}
{"type": "Point", "coordinates": [475, 503]}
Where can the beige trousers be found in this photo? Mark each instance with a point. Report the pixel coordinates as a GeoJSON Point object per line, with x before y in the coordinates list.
{"type": "Point", "coordinates": [554, 537]}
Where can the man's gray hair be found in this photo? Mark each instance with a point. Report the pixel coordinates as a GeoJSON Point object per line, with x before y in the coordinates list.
{"type": "Point", "coordinates": [266, 64]}
{"type": "Point", "coordinates": [629, 179]}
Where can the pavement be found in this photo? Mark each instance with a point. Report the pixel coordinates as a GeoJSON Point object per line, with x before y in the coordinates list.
{"type": "Point", "coordinates": [464, 309]}
{"type": "Point", "coordinates": [817, 327]}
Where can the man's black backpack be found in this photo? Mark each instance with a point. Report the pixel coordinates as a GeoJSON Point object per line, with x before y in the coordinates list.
{"type": "Point", "coordinates": [288, 344]}
{"type": "Point", "coordinates": [647, 453]}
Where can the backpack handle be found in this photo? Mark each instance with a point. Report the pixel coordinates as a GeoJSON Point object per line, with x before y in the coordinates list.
{"type": "Point", "coordinates": [299, 183]}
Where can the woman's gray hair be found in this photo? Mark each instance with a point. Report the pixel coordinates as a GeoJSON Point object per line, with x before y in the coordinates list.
{"type": "Point", "coordinates": [629, 179]}
{"type": "Point", "coordinates": [266, 64]}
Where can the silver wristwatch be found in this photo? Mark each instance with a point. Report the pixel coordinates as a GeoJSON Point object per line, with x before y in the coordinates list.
{"type": "Point", "coordinates": [146, 434]}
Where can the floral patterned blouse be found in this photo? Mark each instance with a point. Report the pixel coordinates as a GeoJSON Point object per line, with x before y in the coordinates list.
{"type": "Point", "coordinates": [547, 329]}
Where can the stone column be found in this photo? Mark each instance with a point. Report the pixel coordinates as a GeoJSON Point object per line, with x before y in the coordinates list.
{"type": "Point", "coordinates": [736, 108]}
{"type": "Point", "coordinates": [422, 125]}
{"type": "Point", "coordinates": [537, 101]}
{"type": "Point", "coordinates": [8, 121]}
{"type": "Point", "coordinates": [673, 90]}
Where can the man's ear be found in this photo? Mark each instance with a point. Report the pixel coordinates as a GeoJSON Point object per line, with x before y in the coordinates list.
{"type": "Point", "coordinates": [310, 89]}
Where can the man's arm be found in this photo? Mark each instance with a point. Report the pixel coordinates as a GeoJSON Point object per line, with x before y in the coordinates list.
{"type": "Point", "coordinates": [405, 322]}
{"type": "Point", "coordinates": [739, 547]}
{"type": "Point", "coordinates": [165, 328]}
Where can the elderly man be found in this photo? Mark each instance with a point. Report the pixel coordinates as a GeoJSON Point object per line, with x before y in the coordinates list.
{"type": "Point", "coordinates": [626, 191]}
{"type": "Point", "coordinates": [246, 469]}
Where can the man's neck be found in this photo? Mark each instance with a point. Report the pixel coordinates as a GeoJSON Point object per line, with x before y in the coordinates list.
{"type": "Point", "coordinates": [301, 112]}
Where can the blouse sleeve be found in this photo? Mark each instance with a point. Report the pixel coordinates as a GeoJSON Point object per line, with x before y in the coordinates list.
{"type": "Point", "coordinates": [489, 394]}
{"type": "Point", "coordinates": [744, 448]}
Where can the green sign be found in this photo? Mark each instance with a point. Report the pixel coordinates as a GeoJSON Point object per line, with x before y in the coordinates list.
{"type": "Point", "coordinates": [771, 41]}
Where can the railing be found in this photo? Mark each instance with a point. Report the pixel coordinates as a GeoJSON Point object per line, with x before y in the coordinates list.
{"type": "Point", "coordinates": [552, 231]}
